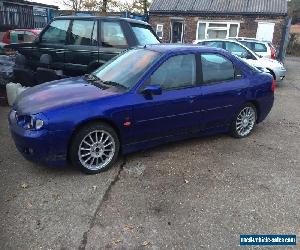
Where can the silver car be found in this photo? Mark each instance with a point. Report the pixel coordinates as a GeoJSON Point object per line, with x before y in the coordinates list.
{"type": "Point", "coordinates": [274, 67]}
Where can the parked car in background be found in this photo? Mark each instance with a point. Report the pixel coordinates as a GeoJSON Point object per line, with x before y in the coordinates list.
{"type": "Point", "coordinates": [20, 36]}
{"type": "Point", "coordinates": [275, 67]}
{"type": "Point", "coordinates": [144, 97]}
{"type": "Point", "coordinates": [262, 48]}
{"type": "Point", "coordinates": [78, 45]}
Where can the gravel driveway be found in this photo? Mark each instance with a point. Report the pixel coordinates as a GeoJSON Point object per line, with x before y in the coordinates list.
{"type": "Point", "coordinates": [196, 194]}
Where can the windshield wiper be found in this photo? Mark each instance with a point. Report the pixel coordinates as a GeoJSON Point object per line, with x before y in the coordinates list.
{"type": "Point", "coordinates": [116, 84]}
{"type": "Point", "coordinates": [104, 84]}
{"type": "Point", "coordinates": [91, 77]}
{"type": "Point", "coordinates": [96, 81]}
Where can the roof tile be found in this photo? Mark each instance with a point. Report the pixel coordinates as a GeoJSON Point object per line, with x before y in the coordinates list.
{"type": "Point", "coordinates": [221, 6]}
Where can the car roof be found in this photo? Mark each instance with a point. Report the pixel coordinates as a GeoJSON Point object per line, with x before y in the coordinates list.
{"type": "Point", "coordinates": [169, 48]}
{"type": "Point", "coordinates": [229, 40]}
{"type": "Point", "coordinates": [102, 17]}
{"type": "Point", "coordinates": [253, 41]}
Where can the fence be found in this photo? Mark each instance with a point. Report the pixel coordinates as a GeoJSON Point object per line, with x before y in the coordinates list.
{"type": "Point", "coordinates": [22, 17]}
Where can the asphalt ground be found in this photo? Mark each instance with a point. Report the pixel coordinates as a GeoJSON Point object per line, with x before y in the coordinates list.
{"type": "Point", "coordinates": [195, 194]}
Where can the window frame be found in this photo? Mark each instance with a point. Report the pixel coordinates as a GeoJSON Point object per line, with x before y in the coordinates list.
{"type": "Point", "coordinates": [40, 36]}
{"type": "Point", "coordinates": [162, 30]}
{"type": "Point", "coordinates": [228, 23]}
{"type": "Point", "coordinates": [162, 61]}
{"type": "Point", "coordinates": [100, 38]}
{"type": "Point", "coordinates": [236, 70]}
{"type": "Point", "coordinates": [69, 34]}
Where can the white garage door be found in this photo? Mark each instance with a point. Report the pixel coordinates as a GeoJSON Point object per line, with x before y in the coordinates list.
{"type": "Point", "coordinates": [265, 31]}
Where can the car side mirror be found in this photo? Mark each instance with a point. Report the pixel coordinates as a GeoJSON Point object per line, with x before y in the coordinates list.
{"type": "Point", "coordinates": [152, 90]}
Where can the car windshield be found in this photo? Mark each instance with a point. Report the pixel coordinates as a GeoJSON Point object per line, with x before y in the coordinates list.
{"type": "Point", "coordinates": [126, 69]}
{"type": "Point", "coordinates": [144, 34]}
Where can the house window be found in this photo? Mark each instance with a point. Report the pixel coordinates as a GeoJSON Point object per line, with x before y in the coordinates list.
{"type": "Point", "coordinates": [159, 30]}
{"type": "Point", "coordinates": [212, 30]}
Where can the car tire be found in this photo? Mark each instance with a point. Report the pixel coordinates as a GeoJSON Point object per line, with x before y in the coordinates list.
{"type": "Point", "coordinates": [94, 148]}
{"type": "Point", "coordinates": [244, 121]}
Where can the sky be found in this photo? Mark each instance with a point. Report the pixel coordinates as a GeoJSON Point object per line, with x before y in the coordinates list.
{"type": "Point", "coordinates": [51, 2]}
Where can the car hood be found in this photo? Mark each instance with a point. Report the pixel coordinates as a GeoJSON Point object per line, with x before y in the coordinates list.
{"type": "Point", "coordinates": [266, 63]}
{"type": "Point", "coordinates": [59, 93]}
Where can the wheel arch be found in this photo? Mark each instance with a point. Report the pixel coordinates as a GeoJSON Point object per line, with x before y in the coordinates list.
{"type": "Point", "coordinates": [91, 121]}
{"type": "Point", "coordinates": [257, 107]}
{"type": "Point", "coordinates": [272, 73]}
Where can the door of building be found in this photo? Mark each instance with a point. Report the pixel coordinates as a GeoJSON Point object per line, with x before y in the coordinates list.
{"type": "Point", "coordinates": [177, 32]}
{"type": "Point", "coordinates": [265, 31]}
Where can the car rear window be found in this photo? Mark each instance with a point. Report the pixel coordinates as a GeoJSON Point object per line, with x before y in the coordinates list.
{"type": "Point", "coordinates": [215, 44]}
{"type": "Point", "coordinates": [144, 34]}
{"type": "Point", "coordinates": [216, 68]}
{"type": "Point", "coordinates": [260, 47]}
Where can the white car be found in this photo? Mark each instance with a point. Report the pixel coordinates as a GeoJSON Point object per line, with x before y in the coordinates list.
{"type": "Point", "coordinates": [262, 48]}
{"type": "Point", "coordinates": [275, 67]}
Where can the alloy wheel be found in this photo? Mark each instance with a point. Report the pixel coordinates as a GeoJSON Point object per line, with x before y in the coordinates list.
{"type": "Point", "coordinates": [245, 121]}
{"type": "Point", "coordinates": [96, 150]}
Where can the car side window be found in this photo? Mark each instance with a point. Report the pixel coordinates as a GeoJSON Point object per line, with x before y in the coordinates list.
{"type": "Point", "coordinates": [112, 34]}
{"type": "Point", "coordinates": [237, 50]}
{"type": "Point", "coordinates": [56, 32]}
{"type": "Point", "coordinates": [216, 68]}
{"type": "Point", "coordinates": [259, 47]}
{"type": "Point", "coordinates": [29, 37]}
{"type": "Point", "coordinates": [215, 44]}
{"type": "Point", "coordinates": [82, 32]}
{"type": "Point", "coordinates": [177, 72]}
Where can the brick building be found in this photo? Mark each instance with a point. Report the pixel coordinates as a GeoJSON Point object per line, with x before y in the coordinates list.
{"type": "Point", "coordinates": [187, 20]}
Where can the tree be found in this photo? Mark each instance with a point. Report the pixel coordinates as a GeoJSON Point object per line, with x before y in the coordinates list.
{"type": "Point", "coordinates": [91, 5]}
{"type": "Point", "coordinates": [104, 6]}
{"type": "Point", "coordinates": [75, 5]}
{"type": "Point", "coordinates": [294, 10]}
{"type": "Point", "coordinates": [141, 6]}
{"type": "Point", "coordinates": [137, 6]}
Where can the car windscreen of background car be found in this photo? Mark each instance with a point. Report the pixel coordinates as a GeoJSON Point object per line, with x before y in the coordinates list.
{"type": "Point", "coordinates": [127, 68]}
{"type": "Point", "coordinates": [144, 34]}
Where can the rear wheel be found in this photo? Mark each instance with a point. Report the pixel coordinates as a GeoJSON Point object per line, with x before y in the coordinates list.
{"type": "Point", "coordinates": [244, 122]}
{"type": "Point", "coordinates": [94, 148]}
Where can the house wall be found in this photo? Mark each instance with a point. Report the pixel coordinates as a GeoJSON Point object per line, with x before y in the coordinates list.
{"type": "Point", "coordinates": [248, 25]}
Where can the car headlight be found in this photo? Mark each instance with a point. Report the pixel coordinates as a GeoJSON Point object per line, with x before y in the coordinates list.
{"type": "Point", "coordinates": [31, 122]}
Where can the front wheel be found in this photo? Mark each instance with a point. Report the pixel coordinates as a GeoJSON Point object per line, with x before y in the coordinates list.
{"type": "Point", "coordinates": [94, 148]}
{"type": "Point", "coordinates": [244, 122]}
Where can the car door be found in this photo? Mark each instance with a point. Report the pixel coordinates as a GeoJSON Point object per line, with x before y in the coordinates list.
{"type": "Point", "coordinates": [113, 39]}
{"type": "Point", "coordinates": [52, 41]}
{"type": "Point", "coordinates": [173, 111]}
{"type": "Point", "coordinates": [82, 49]}
{"type": "Point", "coordinates": [223, 90]}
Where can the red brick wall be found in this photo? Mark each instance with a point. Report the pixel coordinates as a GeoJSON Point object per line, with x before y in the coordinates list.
{"type": "Point", "coordinates": [248, 25]}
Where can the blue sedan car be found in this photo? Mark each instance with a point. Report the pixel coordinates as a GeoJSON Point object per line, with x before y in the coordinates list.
{"type": "Point", "coordinates": [144, 97]}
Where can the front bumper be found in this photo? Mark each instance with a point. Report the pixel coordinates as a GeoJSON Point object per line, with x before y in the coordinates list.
{"type": "Point", "coordinates": [280, 74]}
{"type": "Point", "coordinates": [40, 146]}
